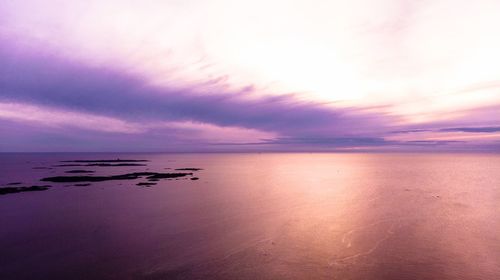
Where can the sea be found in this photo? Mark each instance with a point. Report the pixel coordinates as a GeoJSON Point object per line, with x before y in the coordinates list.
{"type": "Point", "coordinates": [250, 216]}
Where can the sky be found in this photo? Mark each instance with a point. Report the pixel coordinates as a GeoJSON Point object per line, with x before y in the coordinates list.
{"type": "Point", "coordinates": [261, 75]}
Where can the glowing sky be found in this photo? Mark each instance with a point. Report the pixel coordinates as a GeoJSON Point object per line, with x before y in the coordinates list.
{"type": "Point", "coordinates": [261, 75]}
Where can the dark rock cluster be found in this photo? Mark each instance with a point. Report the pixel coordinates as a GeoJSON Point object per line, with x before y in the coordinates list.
{"type": "Point", "coordinates": [86, 180]}
{"type": "Point", "coordinates": [9, 190]}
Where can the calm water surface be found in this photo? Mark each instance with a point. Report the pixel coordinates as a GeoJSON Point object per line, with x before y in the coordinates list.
{"type": "Point", "coordinates": [257, 216]}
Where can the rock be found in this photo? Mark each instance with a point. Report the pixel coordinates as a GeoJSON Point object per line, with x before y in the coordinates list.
{"type": "Point", "coordinates": [189, 169]}
{"type": "Point", "coordinates": [100, 164]}
{"type": "Point", "coordinates": [145, 184]}
{"type": "Point", "coordinates": [118, 164]}
{"type": "Point", "coordinates": [9, 190]}
{"type": "Point", "coordinates": [168, 175]}
{"type": "Point", "coordinates": [108, 160]}
{"type": "Point", "coordinates": [79, 171]}
{"type": "Point", "coordinates": [128, 176]}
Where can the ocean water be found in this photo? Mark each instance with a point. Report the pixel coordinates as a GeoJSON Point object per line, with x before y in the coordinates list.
{"type": "Point", "coordinates": [256, 216]}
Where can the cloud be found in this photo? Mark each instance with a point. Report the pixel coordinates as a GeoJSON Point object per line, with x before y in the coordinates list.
{"type": "Point", "coordinates": [352, 144]}
{"type": "Point", "coordinates": [483, 129]}
{"type": "Point", "coordinates": [330, 142]}
{"type": "Point", "coordinates": [472, 129]}
{"type": "Point", "coordinates": [410, 131]}
{"type": "Point", "coordinates": [431, 142]}
{"type": "Point", "coordinates": [90, 107]}
{"type": "Point", "coordinates": [58, 118]}
{"type": "Point", "coordinates": [43, 79]}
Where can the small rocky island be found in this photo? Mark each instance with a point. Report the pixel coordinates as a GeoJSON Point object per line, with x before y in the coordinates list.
{"type": "Point", "coordinates": [82, 179]}
{"type": "Point", "coordinates": [9, 190]}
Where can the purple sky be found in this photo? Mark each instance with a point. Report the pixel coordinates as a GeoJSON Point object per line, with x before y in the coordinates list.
{"type": "Point", "coordinates": [226, 75]}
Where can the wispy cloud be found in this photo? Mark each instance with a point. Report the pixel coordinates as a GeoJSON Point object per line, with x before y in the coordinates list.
{"type": "Point", "coordinates": [483, 129]}
{"type": "Point", "coordinates": [59, 118]}
{"type": "Point", "coordinates": [78, 90]}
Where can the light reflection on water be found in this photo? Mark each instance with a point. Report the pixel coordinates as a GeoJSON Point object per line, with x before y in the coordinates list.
{"type": "Point", "coordinates": [259, 216]}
